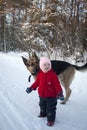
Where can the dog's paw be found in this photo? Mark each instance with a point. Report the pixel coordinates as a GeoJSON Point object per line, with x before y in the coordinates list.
{"type": "Point", "coordinates": [63, 102]}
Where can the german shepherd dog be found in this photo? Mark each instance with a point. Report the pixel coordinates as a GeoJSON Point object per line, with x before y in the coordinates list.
{"type": "Point", "coordinates": [64, 70]}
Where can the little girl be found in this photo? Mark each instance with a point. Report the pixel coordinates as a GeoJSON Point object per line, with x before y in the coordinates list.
{"type": "Point", "coordinates": [48, 89]}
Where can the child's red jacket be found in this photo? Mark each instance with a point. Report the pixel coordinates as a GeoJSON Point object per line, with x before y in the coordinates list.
{"type": "Point", "coordinates": [48, 84]}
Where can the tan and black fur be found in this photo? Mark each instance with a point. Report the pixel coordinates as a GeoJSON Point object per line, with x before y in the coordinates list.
{"type": "Point", "coordinates": [64, 70]}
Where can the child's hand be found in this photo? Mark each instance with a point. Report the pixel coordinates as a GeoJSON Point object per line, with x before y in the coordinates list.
{"type": "Point", "coordinates": [29, 90]}
{"type": "Point", "coordinates": [60, 96]}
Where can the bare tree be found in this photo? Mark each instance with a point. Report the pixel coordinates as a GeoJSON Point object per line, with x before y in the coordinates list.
{"type": "Point", "coordinates": [45, 25]}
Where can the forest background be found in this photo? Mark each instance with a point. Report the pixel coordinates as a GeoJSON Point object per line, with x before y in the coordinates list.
{"type": "Point", "coordinates": [44, 26]}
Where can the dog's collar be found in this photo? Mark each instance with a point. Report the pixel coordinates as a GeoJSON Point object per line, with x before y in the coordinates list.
{"type": "Point", "coordinates": [29, 78]}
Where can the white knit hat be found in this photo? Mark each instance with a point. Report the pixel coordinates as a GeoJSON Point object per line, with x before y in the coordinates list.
{"type": "Point", "coordinates": [44, 60]}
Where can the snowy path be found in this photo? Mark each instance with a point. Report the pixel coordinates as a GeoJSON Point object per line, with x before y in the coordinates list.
{"type": "Point", "coordinates": [18, 110]}
{"type": "Point", "coordinates": [10, 118]}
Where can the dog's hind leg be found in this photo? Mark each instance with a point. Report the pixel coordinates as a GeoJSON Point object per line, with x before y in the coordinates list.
{"type": "Point", "coordinates": [66, 79]}
{"type": "Point", "coordinates": [68, 93]}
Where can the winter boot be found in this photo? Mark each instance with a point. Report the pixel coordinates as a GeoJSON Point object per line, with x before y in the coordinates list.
{"type": "Point", "coordinates": [50, 123]}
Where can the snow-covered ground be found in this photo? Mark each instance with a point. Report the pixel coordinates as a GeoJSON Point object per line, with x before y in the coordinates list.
{"type": "Point", "coordinates": [19, 110]}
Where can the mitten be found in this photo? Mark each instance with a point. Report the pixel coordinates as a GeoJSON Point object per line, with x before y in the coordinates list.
{"type": "Point", "coordinates": [60, 96]}
{"type": "Point", "coordinates": [29, 90]}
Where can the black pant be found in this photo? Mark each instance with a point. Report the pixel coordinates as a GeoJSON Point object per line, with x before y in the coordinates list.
{"type": "Point", "coordinates": [48, 108]}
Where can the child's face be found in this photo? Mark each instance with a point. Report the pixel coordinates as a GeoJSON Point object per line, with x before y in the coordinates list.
{"type": "Point", "coordinates": [46, 67]}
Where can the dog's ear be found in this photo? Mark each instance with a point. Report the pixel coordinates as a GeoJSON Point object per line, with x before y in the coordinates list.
{"type": "Point", "coordinates": [24, 60]}
{"type": "Point", "coordinates": [34, 54]}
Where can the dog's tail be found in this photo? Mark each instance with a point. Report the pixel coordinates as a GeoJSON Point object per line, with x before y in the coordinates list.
{"type": "Point", "coordinates": [81, 68]}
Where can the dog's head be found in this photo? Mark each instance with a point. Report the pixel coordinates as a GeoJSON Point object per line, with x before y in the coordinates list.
{"type": "Point", "coordinates": [32, 64]}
